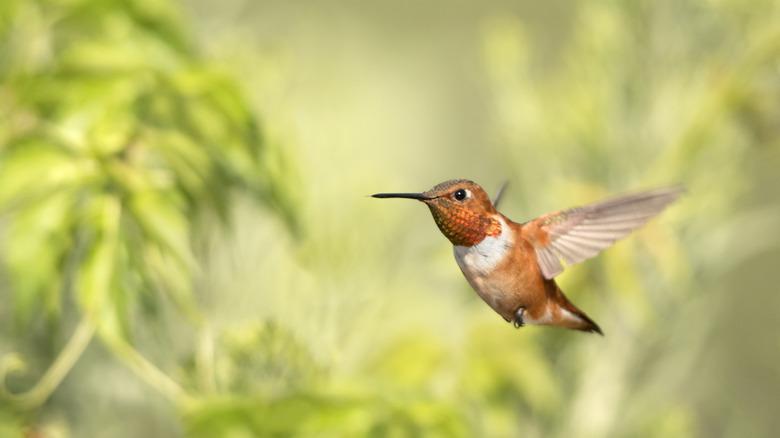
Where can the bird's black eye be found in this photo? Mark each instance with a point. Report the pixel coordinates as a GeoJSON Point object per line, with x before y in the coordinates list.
{"type": "Point", "coordinates": [460, 194]}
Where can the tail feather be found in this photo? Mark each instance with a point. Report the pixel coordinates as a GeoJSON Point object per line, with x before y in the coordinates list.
{"type": "Point", "coordinates": [574, 318]}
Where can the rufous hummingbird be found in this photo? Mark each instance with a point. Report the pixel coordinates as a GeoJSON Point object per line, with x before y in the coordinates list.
{"type": "Point", "coordinates": [512, 266]}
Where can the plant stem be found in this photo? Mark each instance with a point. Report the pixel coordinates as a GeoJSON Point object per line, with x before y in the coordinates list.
{"type": "Point", "coordinates": [53, 376]}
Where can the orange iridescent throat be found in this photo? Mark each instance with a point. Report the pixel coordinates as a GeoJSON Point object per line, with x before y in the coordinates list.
{"type": "Point", "coordinates": [462, 226]}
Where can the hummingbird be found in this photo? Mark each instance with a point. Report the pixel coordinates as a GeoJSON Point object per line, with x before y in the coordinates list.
{"type": "Point", "coordinates": [512, 266]}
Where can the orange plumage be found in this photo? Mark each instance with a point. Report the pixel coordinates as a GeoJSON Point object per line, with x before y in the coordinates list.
{"type": "Point", "coordinates": [512, 266]}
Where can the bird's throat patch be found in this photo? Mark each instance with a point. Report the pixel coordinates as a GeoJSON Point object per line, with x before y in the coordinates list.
{"type": "Point", "coordinates": [464, 227]}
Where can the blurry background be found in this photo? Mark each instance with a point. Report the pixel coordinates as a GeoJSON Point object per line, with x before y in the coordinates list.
{"type": "Point", "coordinates": [188, 250]}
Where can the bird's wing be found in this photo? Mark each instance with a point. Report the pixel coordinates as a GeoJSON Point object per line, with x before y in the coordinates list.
{"type": "Point", "coordinates": [580, 233]}
{"type": "Point", "coordinates": [500, 192]}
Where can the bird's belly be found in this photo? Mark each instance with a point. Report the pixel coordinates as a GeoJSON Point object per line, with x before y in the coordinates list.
{"type": "Point", "coordinates": [482, 265]}
{"type": "Point", "coordinates": [502, 300]}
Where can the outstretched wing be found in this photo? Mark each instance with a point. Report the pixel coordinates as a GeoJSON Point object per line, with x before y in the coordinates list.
{"type": "Point", "coordinates": [580, 233]}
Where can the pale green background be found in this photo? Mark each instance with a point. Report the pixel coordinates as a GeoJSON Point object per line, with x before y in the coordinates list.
{"type": "Point", "coordinates": [361, 319]}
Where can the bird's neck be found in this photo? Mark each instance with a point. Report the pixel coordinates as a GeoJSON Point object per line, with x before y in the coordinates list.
{"type": "Point", "coordinates": [464, 227]}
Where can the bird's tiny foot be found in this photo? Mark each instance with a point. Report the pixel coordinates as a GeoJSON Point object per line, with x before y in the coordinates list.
{"type": "Point", "coordinates": [519, 317]}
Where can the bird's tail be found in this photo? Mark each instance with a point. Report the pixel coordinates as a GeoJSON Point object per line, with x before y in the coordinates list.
{"type": "Point", "coordinates": [572, 317]}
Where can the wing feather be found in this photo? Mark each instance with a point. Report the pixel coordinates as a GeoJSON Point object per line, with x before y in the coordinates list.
{"type": "Point", "coordinates": [580, 233]}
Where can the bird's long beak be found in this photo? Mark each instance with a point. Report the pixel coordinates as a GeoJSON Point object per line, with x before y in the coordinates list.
{"type": "Point", "coordinates": [417, 196]}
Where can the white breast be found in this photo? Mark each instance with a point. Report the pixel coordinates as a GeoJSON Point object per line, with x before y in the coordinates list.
{"type": "Point", "coordinates": [481, 259]}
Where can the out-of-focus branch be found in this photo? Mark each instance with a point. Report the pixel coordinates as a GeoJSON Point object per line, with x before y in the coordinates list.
{"type": "Point", "coordinates": [35, 396]}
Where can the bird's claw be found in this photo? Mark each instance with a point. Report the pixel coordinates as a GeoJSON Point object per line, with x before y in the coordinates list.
{"type": "Point", "coordinates": [518, 322]}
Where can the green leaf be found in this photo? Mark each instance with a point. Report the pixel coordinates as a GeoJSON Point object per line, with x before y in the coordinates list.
{"type": "Point", "coordinates": [96, 275]}
{"type": "Point", "coordinates": [36, 246]}
{"type": "Point", "coordinates": [33, 168]}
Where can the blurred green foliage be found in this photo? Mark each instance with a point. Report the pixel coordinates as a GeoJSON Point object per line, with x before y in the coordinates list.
{"type": "Point", "coordinates": [116, 138]}
{"type": "Point", "coordinates": [241, 285]}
